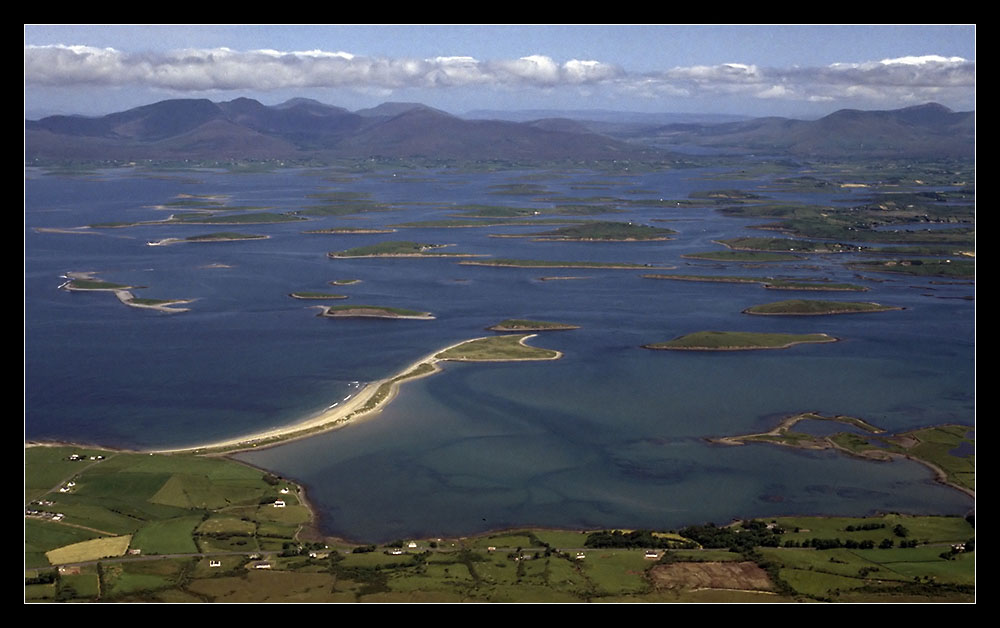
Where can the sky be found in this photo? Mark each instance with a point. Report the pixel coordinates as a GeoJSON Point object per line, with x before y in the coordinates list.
{"type": "Point", "coordinates": [793, 71]}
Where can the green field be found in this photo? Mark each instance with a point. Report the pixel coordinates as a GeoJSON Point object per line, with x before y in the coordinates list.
{"type": "Point", "coordinates": [737, 340]}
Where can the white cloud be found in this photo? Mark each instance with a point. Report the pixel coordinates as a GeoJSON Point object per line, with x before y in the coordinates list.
{"type": "Point", "coordinates": [910, 78]}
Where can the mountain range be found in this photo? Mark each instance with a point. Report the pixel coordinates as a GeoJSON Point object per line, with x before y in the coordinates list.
{"type": "Point", "coordinates": [199, 129]}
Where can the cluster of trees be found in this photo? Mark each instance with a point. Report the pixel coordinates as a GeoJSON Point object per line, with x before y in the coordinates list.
{"type": "Point", "coordinates": [749, 535]}
{"type": "Point", "coordinates": [635, 539]}
{"type": "Point", "coordinates": [824, 544]}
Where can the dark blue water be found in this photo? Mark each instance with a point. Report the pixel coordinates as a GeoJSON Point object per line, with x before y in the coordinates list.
{"type": "Point", "coordinates": [609, 435]}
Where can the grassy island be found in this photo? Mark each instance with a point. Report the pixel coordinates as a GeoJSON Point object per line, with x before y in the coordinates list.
{"type": "Point", "coordinates": [374, 311]}
{"type": "Point", "coordinates": [921, 267]}
{"type": "Point", "coordinates": [395, 249]}
{"type": "Point", "coordinates": [787, 245]}
{"type": "Point", "coordinates": [95, 285]}
{"type": "Point", "coordinates": [225, 236]}
{"type": "Point", "coordinates": [497, 349]}
{"type": "Point", "coordinates": [768, 282]}
{"type": "Point", "coordinates": [737, 341]}
{"type": "Point", "coordinates": [348, 231]}
{"type": "Point", "coordinates": [744, 256]}
{"type": "Point", "coordinates": [317, 295]}
{"type": "Point", "coordinates": [803, 307]}
{"type": "Point", "coordinates": [517, 324]}
{"type": "Point", "coordinates": [533, 263]}
{"type": "Point", "coordinates": [603, 232]}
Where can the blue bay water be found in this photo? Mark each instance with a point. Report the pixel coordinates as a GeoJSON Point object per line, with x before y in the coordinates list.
{"type": "Point", "coordinates": [611, 435]}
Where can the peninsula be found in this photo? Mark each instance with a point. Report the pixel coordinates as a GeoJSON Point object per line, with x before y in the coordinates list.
{"type": "Point", "coordinates": [933, 447]}
{"type": "Point", "coordinates": [376, 395]}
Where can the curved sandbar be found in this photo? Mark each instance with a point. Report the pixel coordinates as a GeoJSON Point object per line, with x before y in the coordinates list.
{"type": "Point", "coordinates": [160, 305]}
{"type": "Point", "coordinates": [371, 399]}
{"type": "Point", "coordinates": [802, 307]}
{"type": "Point", "coordinates": [737, 341]}
{"type": "Point", "coordinates": [515, 324]}
{"type": "Point", "coordinates": [374, 311]}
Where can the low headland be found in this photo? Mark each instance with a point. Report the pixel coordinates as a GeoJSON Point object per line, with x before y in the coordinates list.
{"type": "Point", "coordinates": [804, 307]}
{"type": "Point", "coordinates": [737, 341]}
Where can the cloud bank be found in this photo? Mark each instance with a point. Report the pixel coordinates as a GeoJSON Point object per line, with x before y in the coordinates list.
{"type": "Point", "coordinates": [912, 78]}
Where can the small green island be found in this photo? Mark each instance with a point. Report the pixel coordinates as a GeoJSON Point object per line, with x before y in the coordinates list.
{"type": "Point", "coordinates": [374, 311]}
{"type": "Point", "coordinates": [395, 249]}
{"type": "Point", "coordinates": [769, 283]}
{"type": "Point", "coordinates": [510, 348]}
{"type": "Point", "coordinates": [737, 341]}
{"type": "Point", "coordinates": [349, 231]}
{"type": "Point", "coordinates": [804, 307]}
{"type": "Point", "coordinates": [225, 236]}
{"type": "Point", "coordinates": [787, 245]}
{"type": "Point", "coordinates": [85, 282]}
{"type": "Point", "coordinates": [317, 295]}
{"type": "Point", "coordinates": [600, 232]}
{"type": "Point", "coordinates": [518, 324]}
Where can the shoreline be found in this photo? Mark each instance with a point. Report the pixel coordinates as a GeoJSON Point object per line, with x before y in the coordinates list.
{"type": "Point", "coordinates": [362, 405]}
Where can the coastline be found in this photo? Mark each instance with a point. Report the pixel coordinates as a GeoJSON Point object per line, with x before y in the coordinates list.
{"type": "Point", "coordinates": [365, 403]}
